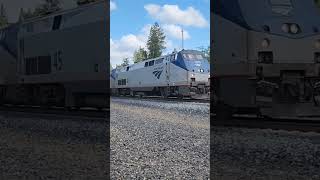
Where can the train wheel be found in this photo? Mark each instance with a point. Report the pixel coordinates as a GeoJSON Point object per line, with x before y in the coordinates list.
{"type": "Point", "coordinates": [164, 93]}
{"type": "Point", "coordinates": [180, 96]}
{"type": "Point", "coordinates": [132, 93]}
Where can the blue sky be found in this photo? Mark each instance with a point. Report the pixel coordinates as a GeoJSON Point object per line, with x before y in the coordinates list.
{"type": "Point", "coordinates": [131, 20]}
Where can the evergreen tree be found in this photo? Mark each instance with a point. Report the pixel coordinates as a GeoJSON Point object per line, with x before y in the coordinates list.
{"type": "Point", "coordinates": [83, 2]}
{"type": "Point", "coordinates": [156, 41]}
{"type": "Point", "coordinates": [28, 14]}
{"type": "Point", "coordinates": [3, 16]}
{"type": "Point", "coordinates": [125, 62]}
{"type": "Point", "coordinates": [140, 55]}
{"type": "Point", "coordinates": [206, 52]}
{"type": "Point", "coordinates": [47, 7]}
{"type": "Point", "coordinates": [317, 2]}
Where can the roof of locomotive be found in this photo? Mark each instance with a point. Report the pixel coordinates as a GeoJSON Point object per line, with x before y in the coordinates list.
{"type": "Point", "coordinates": [142, 63]}
{"type": "Point", "coordinates": [254, 15]}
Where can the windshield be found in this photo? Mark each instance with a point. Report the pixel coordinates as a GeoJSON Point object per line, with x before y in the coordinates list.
{"type": "Point", "coordinates": [193, 57]}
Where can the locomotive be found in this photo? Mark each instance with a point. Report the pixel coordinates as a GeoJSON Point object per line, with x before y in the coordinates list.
{"type": "Point", "coordinates": [181, 74]}
{"type": "Point", "coordinates": [266, 58]}
{"type": "Point", "coordinates": [57, 60]}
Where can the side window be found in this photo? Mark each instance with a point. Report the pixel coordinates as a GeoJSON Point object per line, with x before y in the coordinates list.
{"type": "Point", "coordinates": [128, 68]}
{"type": "Point", "coordinates": [151, 63]}
{"type": "Point", "coordinates": [158, 61]}
{"type": "Point", "coordinates": [146, 64]}
{"type": "Point", "coordinates": [56, 22]}
{"type": "Point", "coordinates": [124, 82]}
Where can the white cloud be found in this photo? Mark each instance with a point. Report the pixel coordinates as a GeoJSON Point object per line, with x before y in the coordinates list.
{"type": "Point", "coordinates": [172, 14]}
{"type": "Point", "coordinates": [113, 6]}
{"type": "Point", "coordinates": [127, 44]}
{"type": "Point", "coordinates": [174, 31]}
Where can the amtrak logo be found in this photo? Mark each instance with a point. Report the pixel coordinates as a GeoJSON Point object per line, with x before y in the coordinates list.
{"type": "Point", "coordinates": [157, 73]}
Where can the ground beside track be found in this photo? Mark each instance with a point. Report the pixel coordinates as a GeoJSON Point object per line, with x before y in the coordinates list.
{"type": "Point", "coordinates": [40, 148]}
{"type": "Point", "coordinates": [240, 153]}
{"type": "Point", "coordinates": [159, 140]}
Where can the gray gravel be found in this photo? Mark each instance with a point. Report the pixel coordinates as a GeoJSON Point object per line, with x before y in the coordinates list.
{"type": "Point", "coordinates": [240, 153]}
{"type": "Point", "coordinates": [41, 148]}
{"type": "Point", "coordinates": [159, 140]}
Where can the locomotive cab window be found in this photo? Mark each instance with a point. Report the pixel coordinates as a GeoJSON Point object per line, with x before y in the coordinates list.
{"type": "Point", "coordinates": [151, 63]}
{"type": "Point", "coordinates": [146, 64]}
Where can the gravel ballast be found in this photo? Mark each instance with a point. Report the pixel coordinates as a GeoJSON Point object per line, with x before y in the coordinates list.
{"type": "Point", "coordinates": [159, 140]}
{"type": "Point", "coordinates": [264, 154]}
{"type": "Point", "coordinates": [40, 148]}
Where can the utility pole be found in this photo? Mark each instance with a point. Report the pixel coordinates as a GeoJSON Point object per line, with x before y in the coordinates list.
{"type": "Point", "coordinates": [182, 37]}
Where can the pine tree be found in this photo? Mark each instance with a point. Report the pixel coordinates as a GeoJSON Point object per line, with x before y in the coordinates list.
{"type": "Point", "coordinates": [140, 55]}
{"type": "Point", "coordinates": [156, 41]}
{"type": "Point", "coordinates": [83, 2]}
{"type": "Point", "coordinates": [28, 14]}
{"type": "Point", "coordinates": [47, 7]}
{"type": "Point", "coordinates": [125, 62]}
{"type": "Point", "coordinates": [206, 52]}
{"type": "Point", "coordinates": [3, 16]}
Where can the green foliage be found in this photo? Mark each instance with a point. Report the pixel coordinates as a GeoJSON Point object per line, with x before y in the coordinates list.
{"type": "Point", "coordinates": [47, 7]}
{"type": "Point", "coordinates": [25, 14]}
{"type": "Point", "coordinates": [317, 2]}
{"type": "Point", "coordinates": [125, 62]}
{"type": "Point", "coordinates": [206, 52]}
{"type": "Point", "coordinates": [140, 55]}
{"type": "Point", "coordinates": [3, 16]}
{"type": "Point", "coordinates": [83, 2]}
{"type": "Point", "coordinates": [156, 41]}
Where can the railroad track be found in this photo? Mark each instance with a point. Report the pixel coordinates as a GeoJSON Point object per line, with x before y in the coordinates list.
{"type": "Point", "coordinates": [88, 114]}
{"type": "Point", "coordinates": [304, 124]}
{"type": "Point", "coordinates": [170, 99]}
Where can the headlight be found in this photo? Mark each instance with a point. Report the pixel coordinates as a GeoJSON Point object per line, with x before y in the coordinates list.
{"type": "Point", "coordinates": [265, 43]}
{"type": "Point", "coordinates": [285, 28]}
{"type": "Point", "coordinates": [192, 75]}
{"type": "Point", "coordinates": [294, 28]}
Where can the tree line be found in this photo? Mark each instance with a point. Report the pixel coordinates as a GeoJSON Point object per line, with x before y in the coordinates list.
{"type": "Point", "coordinates": [154, 47]}
{"type": "Point", "coordinates": [44, 8]}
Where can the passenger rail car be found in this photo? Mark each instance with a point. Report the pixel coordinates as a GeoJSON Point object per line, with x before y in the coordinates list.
{"type": "Point", "coordinates": [266, 57]}
{"type": "Point", "coordinates": [60, 59]}
{"type": "Point", "coordinates": [183, 74]}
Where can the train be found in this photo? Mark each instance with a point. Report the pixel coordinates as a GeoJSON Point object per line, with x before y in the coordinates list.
{"type": "Point", "coordinates": [184, 73]}
{"type": "Point", "coordinates": [266, 58]}
{"type": "Point", "coordinates": [60, 59]}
